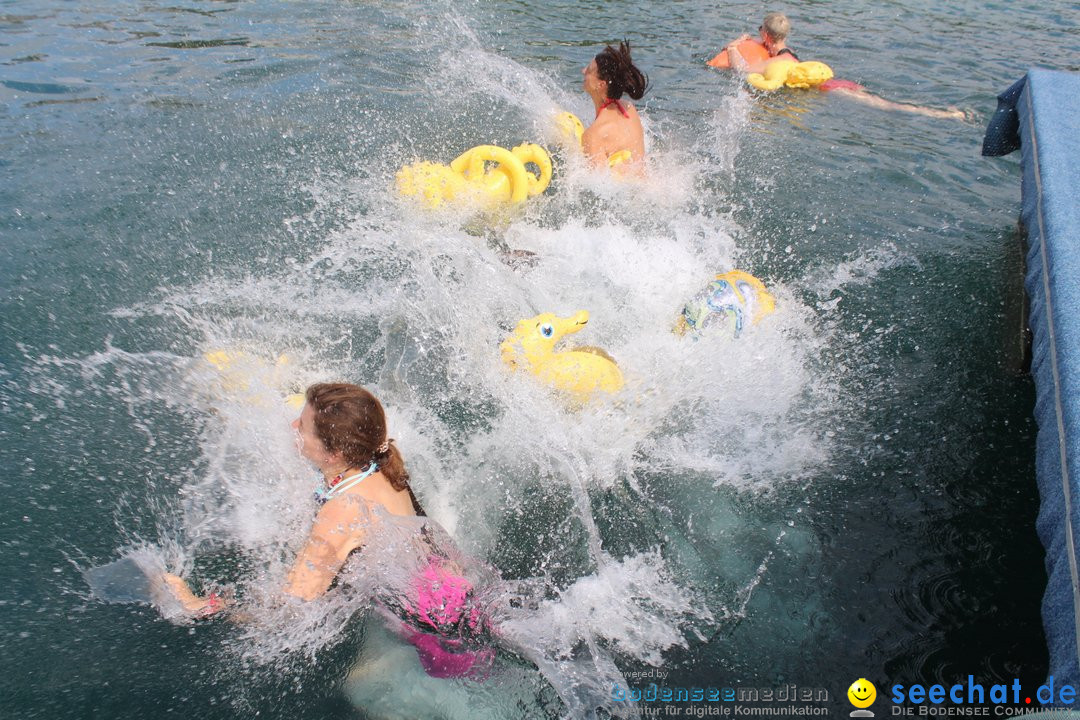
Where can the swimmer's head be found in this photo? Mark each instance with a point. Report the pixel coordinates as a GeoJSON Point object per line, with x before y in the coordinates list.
{"type": "Point", "coordinates": [614, 67]}
{"type": "Point", "coordinates": [776, 27]}
{"type": "Point", "coordinates": [350, 421]}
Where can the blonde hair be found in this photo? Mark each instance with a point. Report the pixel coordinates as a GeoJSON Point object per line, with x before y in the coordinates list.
{"type": "Point", "coordinates": [777, 26]}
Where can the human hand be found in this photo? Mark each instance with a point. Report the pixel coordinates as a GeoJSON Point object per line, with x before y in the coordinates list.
{"type": "Point", "coordinates": [212, 605]}
{"type": "Point", "coordinates": [192, 603]}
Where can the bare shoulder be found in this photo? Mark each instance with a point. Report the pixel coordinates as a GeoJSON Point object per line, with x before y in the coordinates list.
{"type": "Point", "coordinates": [378, 492]}
{"type": "Point", "coordinates": [343, 514]}
{"type": "Point", "coordinates": [600, 134]}
{"type": "Point", "coordinates": [601, 127]}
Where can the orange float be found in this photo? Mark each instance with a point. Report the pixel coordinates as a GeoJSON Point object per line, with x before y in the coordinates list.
{"type": "Point", "coordinates": [753, 51]}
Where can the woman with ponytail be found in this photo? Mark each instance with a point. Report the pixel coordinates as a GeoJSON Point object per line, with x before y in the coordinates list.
{"type": "Point", "coordinates": [342, 431]}
{"type": "Point", "coordinates": [366, 506]}
{"type": "Point", "coordinates": [609, 76]}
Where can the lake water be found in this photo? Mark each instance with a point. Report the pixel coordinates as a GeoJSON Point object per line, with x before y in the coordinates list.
{"type": "Point", "coordinates": [845, 491]}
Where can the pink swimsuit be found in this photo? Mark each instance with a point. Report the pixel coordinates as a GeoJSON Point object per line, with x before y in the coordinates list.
{"type": "Point", "coordinates": [413, 569]}
{"type": "Point", "coordinates": [441, 602]}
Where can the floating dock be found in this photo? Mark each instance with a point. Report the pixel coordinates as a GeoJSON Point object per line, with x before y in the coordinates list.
{"type": "Point", "coordinates": [1040, 116]}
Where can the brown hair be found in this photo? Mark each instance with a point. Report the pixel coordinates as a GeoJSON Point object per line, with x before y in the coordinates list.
{"type": "Point", "coordinates": [619, 72]}
{"type": "Point", "coordinates": [351, 421]}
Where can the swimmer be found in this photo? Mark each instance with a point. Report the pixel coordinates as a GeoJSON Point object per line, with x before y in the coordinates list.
{"type": "Point", "coordinates": [617, 126]}
{"type": "Point", "coordinates": [366, 506]}
{"type": "Point", "coordinates": [774, 32]}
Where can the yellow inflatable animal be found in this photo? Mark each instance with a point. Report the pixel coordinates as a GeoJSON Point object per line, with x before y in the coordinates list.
{"type": "Point", "coordinates": [238, 371]}
{"type": "Point", "coordinates": [785, 72]}
{"type": "Point", "coordinates": [580, 372]}
{"type": "Point", "coordinates": [730, 302]}
{"type": "Point", "coordinates": [485, 174]}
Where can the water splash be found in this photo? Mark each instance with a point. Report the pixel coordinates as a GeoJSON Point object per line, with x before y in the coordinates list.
{"type": "Point", "coordinates": [414, 306]}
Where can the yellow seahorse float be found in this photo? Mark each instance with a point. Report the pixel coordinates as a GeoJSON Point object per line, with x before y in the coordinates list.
{"type": "Point", "coordinates": [580, 372]}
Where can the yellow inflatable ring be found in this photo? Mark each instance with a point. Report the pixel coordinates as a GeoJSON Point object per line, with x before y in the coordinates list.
{"type": "Point", "coordinates": [471, 164]}
{"type": "Point", "coordinates": [533, 153]}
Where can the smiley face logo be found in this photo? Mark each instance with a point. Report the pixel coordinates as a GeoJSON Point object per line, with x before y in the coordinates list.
{"type": "Point", "coordinates": [862, 693]}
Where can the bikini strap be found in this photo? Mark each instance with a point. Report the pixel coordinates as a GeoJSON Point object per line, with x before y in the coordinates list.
{"type": "Point", "coordinates": [616, 103]}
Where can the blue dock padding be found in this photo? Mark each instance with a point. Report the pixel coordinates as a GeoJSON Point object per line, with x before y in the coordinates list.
{"type": "Point", "coordinates": [1040, 114]}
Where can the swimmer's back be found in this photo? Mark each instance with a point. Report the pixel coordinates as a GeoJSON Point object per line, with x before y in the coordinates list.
{"type": "Point", "coordinates": [611, 132]}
